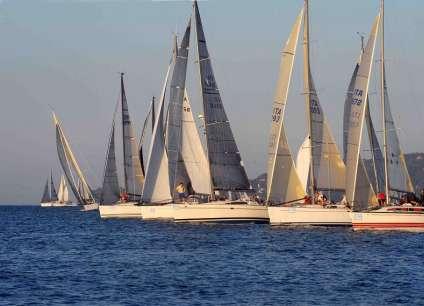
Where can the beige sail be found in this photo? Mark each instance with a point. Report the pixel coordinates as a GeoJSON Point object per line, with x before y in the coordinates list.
{"type": "Point", "coordinates": [283, 182]}
{"type": "Point", "coordinates": [358, 188]}
{"type": "Point", "coordinates": [303, 162]}
{"type": "Point", "coordinates": [193, 153]}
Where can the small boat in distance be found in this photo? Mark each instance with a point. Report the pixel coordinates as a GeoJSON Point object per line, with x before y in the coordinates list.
{"type": "Point", "coordinates": [49, 194]}
{"type": "Point", "coordinates": [53, 199]}
{"type": "Point", "coordinates": [72, 170]}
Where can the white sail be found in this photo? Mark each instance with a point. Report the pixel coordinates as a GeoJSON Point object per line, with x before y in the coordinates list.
{"type": "Point", "coordinates": [359, 191]}
{"type": "Point", "coordinates": [110, 186]}
{"type": "Point", "coordinates": [399, 179]}
{"type": "Point", "coordinates": [303, 162]}
{"type": "Point", "coordinates": [133, 173]}
{"type": "Point", "coordinates": [156, 187]}
{"type": "Point", "coordinates": [283, 183]}
{"type": "Point", "coordinates": [226, 167]}
{"type": "Point", "coordinates": [70, 165]}
{"type": "Point", "coordinates": [177, 170]}
{"type": "Point", "coordinates": [193, 153]}
{"type": "Point", "coordinates": [63, 195]}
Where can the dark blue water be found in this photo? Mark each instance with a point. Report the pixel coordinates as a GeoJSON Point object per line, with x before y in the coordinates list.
{"type": "Point", "coordinates": [63, 256]}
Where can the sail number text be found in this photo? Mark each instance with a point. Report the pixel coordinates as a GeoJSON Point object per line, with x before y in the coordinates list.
{"type": "Point", "coordinates": [276, 114]}
{"type": "Point", "coordinates": [357, 97]}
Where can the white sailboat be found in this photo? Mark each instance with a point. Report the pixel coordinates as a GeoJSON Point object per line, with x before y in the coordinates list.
{"type": "Point", "coordinates": [396, 180]}
{"type": "Point", "coordinates": [63, 195]}
{"type": "Point", "coordinates": [72, 170]}
{"type": "Point", "coordinates": [114, 203]}
{"type": "Point", "coordinates": [224, 179]}
{"type": "Point", "coordinates": [49, 195]}
{"type": "Point", "coordinates": [324, 170]}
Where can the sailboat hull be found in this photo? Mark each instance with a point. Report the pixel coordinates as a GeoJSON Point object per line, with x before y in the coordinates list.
{"type": "Point", "coordinates": [46, 204]}
{"type": "Point", "coordinates": [221, 212]}
{"type": "Point", "coordinates": [309, 215]}
{"type": "Point", "coordinates": [122, 211]}
{"type": "Point", "coordinates": [58, 204]}
{"type": "Point", "coordinates": [399, 218]}
{"type": "Point", "coordinates": [89, 207]}
{"type": "Point", "coordinates": [158, 212]}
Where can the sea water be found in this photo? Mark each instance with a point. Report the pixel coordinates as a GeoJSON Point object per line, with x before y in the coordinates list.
{"type": "Point", "coordinates": [64, 256]}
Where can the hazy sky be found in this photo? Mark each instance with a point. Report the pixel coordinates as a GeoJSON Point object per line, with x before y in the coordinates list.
{"type": "Point", "coordinates": [67, 54]}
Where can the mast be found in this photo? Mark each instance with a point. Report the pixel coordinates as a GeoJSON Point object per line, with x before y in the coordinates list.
{"type": "Point", "coordinates": [307, 92]}
{"type": "Point", "coordinates": [383, 102]}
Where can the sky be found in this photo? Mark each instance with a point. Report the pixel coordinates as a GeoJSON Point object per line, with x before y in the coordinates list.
{"type": "Point", "coordinates": [66, 54]}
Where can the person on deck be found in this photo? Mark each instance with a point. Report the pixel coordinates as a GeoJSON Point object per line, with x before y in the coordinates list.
{"type": "Point", "coordinates": [181, 191]}
{"type": "Point", "coordinates": [381, 197]}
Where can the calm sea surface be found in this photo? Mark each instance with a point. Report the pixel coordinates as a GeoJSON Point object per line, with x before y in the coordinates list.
{"type": "Point", "coordinates": [63, 256]}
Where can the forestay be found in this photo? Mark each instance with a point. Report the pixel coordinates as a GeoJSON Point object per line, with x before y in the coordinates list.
{"type": "Point", "coordinates": [224, 158]}
{"type": "Point", "coordinates": [283, 183]}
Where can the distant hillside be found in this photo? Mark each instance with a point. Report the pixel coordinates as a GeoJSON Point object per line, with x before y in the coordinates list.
{"type": "Point", "coordinates": [414, 161]}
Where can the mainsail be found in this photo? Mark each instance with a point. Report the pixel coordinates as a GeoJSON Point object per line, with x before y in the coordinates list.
{"type": "Point", "coordinates": [328, 170]}
{"type": "Point", "coordinates": [359, 191]}
{"type": "Point", "coordinates": [70, 165]}
{"type": "Point", "coordinates": [133, 173]}
{"type": "Point", "coordinates": [150, 114]}
{"type": "Point", "coordinates": [192, 152]}
{"type": "Point", "coordinates": [398, 175]}
{"type": "Point", "coordinates": [110, 187]}
{"type": "Point", "coordinates": [156, 187]}
{"type": "Point", "coordinates": [46, 194]}
{"type": "Point", "coordinates": [283, 183]}
{"type": "Point", "coordinates": [177, 170]}
{"type": "Point", "coordinates": [224, 158]}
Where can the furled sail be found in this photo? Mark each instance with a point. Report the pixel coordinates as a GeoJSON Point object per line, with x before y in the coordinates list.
{"type": "Point", "coordinates": [46, 193]}
{"type": "Point", "coordinates": [156, 187]}
{"type": "Point", "coordinates": [399, 179]}
{"type": "Point", "coordinates": [359, 191]}
{"type": "Point", "coordinates": [283, 183]}
{"type": "Point", "coordinates": [193, 153]}
{"type": "Point", "coordinates": [133, 173]}
{"type": "Point", "coordinates": [224, 158]}
{"type": "Point", "coordinates": [376, 155]}
{"type": "Point", "coordinates": [110, 188]}
{"type": "Point", "coordinates": [177, 170]}
{"type": "Point", "coordinates": [53, 194]}
{"type": "Point", "coordinates": [70, 166]}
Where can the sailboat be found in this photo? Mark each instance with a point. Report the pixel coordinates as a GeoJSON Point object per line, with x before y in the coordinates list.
{"type": "Point", "coordinates": [322, 170]}
{"type": "Point", "coordinates": [366, 215]}
{"type": "Point", "coordinates": [49, 195]}
{"type": "Point", "coordinates": [114, 203]}
{"type": "Point", "coordinates": [72, 170]}
{"type": "Point", "coordinates": [228, 186]}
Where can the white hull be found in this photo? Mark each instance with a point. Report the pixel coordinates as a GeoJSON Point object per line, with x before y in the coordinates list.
{"type": "Point", "coordinates": [89, 207]}
{"type": "Point", "coordinates": [309, 215]}
{"type": "Point", "coordinates": [57, 204]}
{"type": "Point", "coordinates": [220, 212]}
{"type": "Point", "coordinates": [158, 212]}
{"type": "Point", "coordinates": [123, 210]}
{"type": "Point", "coordinates": [390, 218]}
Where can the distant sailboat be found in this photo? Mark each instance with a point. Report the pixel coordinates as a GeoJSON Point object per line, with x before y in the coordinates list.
{"type": "Point", "coordinates": [72, 170]}
{"type": "Point", "coordinates": [49, 195]}
{"type": "Point", "coordinates": [323, 170]}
